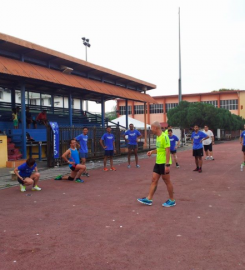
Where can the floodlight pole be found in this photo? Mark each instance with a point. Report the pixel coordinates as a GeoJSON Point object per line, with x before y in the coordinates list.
{"type": "Point", "coordinates": [86, 44]}
{"type": "Point", "coordinates": [180, 87]}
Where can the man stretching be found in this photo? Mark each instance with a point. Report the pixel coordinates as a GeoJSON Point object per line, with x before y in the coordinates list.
{"type": "Point", "coordinates": [132, 135]}
{"type": "Point", "coordinates": [71, 156]}
{"type": "Point", "coordinates": [197, 137]}
{"type": "Point", "coordinates": [161, 168]}
{"type": "Point", "coordinates": [242, 142]}
{"type": "Point", "coordinates": [173, 148]}
{"type": "Point", "coordinates": [208, 144]}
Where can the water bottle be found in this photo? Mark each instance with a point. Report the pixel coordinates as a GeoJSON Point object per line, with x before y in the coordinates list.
{"type": "Point", "coordinates": [241, 167]}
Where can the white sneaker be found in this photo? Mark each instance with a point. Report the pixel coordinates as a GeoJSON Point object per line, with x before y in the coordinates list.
{"type": "Point", "coordinates": [36, 188]}
{"type": "Point", "coordinates": [207, 158]}
{"type": "Point", "coordinates": [22, 188]}
{"type": "Point", "coordinates": [211, 158]}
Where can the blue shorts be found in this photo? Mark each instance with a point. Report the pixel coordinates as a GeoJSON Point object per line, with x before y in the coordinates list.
{"type": "Point", "coordinates": [83, 155]}
{"type": "Point", "coordinates": [109, 153]}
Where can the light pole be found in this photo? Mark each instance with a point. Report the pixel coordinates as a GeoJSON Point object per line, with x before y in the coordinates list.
{"type": "Point", "coordinates": [86, 44]}
{"type": "Point", "coordinates": [180, 86]}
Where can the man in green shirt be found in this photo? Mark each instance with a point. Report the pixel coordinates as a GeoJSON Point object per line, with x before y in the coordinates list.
{"type": "Point", "coordinates": [162, 166]}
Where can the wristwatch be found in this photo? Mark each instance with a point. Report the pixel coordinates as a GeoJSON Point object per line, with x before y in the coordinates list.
{"type": "Point", "coordinates": [167, 165]}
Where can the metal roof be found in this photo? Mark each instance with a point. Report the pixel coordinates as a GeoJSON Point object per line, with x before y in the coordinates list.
{"type": "Point", "coordinates": [16, 71]}
{"type": "Point", "coordinates": [20, 49]}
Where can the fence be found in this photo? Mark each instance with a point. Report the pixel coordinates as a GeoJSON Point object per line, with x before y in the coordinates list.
{"type": "Point", "coordinates": [67, 133]}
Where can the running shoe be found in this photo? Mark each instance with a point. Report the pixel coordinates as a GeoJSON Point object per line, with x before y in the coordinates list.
{"type": "Point", "coordinates": [129, 166]}
{"type": "Point", "coordinates": [207, 158]}
{"type": "Point", "coordinates": [169, 203]}
{"type": "Point", "coordinates": [22, 188]}
{"type": "Point", "coordinates": [137, 166]}
{"type": "Point", "coordinates": [196, 170]}
{"type": "Point", "coordinates": [177, 165]}
{"type": "Point", "coordinates": [112, 169]}
{"type": "Point", "coordinates": [106, 170]}
{"type": "Point", "coordinates": [79, 180]}
{"type": "Point", "coordinates": [243, 163]}
{"type": "Point", "coordinates": [86, 174]}
{"type": "Point", "coordinates": [211, 158]}
{"type": "Point", "coordinates": [200, 170]}
{"type": "Point", "coordinates": [36, 188]}
{"type": "Point", "coordinates": [58, 177]}
{"type": "Point", "coordinates": [145, 201]}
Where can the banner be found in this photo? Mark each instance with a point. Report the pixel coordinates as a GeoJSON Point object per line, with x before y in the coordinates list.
{"type": "Point", "coordinates": [56, 140]}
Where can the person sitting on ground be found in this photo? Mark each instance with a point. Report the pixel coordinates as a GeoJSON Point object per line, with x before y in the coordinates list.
{"type": "Point", "coordinates": [71, 156]}
{"type": "Point", "coordinates": [15, 119]}
{"type": "Point", "coordinates": [42, 118]}
{"type": "Point", "coordinates": [29, 119]}
{"type": "Point", "coordinates": [25, 175]}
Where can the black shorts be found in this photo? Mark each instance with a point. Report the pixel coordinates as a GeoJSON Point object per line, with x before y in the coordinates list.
{"type": "Point", "coordinates": [159, 169]}
{"type": "Point", "coordinates": [208, 147]}
{"type": "Point", "coordinates": [132, 147]}
{"type": "Point", "coordinates": [109, 153]}
{"type": "Point", "coordinates": [243, 148]}
{"type": "Point", "coordinates": [73, 167]}
{"type": "Point", "coordinates": [21, 181]}
{"type": "Point", "coordinates": [173, 152]}
{"type": "Point", "coordinates": [198, 152]}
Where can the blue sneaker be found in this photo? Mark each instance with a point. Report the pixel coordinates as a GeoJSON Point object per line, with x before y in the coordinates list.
{"type": "Point", "coordinates": [79, 181]}
{"type": "Point", "coordinates": [169, 203]}
{"type": "Point", "coordinates": [145, 201]}
{"type": "Point", "coordinates": [137, 166]}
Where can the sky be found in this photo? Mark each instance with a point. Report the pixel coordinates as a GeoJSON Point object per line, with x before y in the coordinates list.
{"type": "Point", "coordinates": [140, 38]}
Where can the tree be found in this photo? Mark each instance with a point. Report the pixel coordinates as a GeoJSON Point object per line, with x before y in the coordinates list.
{"type": "Point", "coordinates": [188, 114]}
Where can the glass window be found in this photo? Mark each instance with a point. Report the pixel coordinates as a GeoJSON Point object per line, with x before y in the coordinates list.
{"type": "Point", "coordinates": [156, 108]}
{"type": "Point", "coordinates": [122, 110]}
{"type": "Point", "coordinates": [170, 106]}
{"type": "Point", "coordinates": [33, 102]}
{"type": "Point", "coordinates": [139, 109]}
{"type": "Point", "coordinates": [231, 104]}
{"type": "Point", "coordinates": [212, 102]}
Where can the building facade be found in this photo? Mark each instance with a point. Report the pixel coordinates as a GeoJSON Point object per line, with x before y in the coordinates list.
{"type": "Point", "coordinates": [234, 101]}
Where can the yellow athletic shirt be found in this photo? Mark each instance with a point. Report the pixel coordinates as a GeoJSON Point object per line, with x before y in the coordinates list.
{"type": "Point", "coordinates": [162, 143]}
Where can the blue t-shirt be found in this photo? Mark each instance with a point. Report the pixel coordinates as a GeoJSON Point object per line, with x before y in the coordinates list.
{"type": "Point", "coordinates": [197, 137]}
{"type": "Point", "coordinates": [74, 157]}
{"type": "Point", "coordinates": [83, 139]}
{"type": "Point", "coordinates": [132, 136]}
{"type": "Point", "coordinates": [173, 139]}
{"type": "Point", "coordinates": [25, 170]}
{"type": "Point", "coordinates": [243, 136]}
{"type": "Point", "coordinates": [108, 139]}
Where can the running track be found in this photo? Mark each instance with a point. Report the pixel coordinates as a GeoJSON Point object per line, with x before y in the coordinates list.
{"type": "Point", "coordinates": [99, 225]}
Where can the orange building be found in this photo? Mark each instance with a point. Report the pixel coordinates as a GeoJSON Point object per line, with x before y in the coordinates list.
{"type": "Point", "coordinates": [234, 101]}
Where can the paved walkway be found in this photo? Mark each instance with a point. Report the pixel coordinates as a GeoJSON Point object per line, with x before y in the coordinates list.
{"type": "Point", "coordinates": [99, 225]}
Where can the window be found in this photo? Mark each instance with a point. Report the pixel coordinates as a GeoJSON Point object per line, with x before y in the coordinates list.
{"type": "Point", "coordinates": [170, 106]}
{"type": "Point", "coordinates": [122, 110]}
{"type": "Point", "coordinates": [156, 108]}
{"type": "Point", "coordinates": [1, 94]}
{"type": "Point", "coordinates": [139, 109]}
{"type": "Point", "coordinates": [42, 101]}
{"type": "Point", "coordinates": [231, 104]}
{"type": "Point", "coordinates": [33, 102]}
{"type": "Point", "coordinates": [49, 101]}
{"type": "Point", "coordinates": [212, 102]}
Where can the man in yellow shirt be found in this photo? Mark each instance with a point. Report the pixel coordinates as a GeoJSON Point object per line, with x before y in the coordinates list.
{"type": "Point", "coordinates": [162, 166]}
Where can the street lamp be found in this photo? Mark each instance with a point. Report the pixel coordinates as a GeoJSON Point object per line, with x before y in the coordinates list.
{"type": "Point", "coordinates": [86, 44]}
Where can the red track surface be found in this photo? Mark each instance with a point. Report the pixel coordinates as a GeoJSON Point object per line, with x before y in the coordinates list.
{"type": "Point", "coordinates": [78, 226]}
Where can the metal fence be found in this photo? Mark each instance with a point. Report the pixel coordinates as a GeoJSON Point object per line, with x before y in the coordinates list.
{"type": "Point", "coordinates": [67, 133]}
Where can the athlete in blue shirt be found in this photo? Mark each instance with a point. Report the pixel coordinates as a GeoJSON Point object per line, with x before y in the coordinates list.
{"type": "Point", "coordinates": [107, 141]}
{"type": "Point", "coordinates": [82, 139]}
{"type": "Point", "coordinates": [71, 156]}
{"type": "Point", "coordinates": [25, 175]}
{"type": "Point", "coordinates": [173, 148]}
{"type": "Point", "coordinates": [132, 135]}
{"type": "Point", "coordinates": [197, 137]}
{"type": "Point", "coordinates": [242, 142]}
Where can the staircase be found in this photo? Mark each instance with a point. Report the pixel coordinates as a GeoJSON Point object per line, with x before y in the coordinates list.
{"type": "Point", "coordinates": [13, 152]}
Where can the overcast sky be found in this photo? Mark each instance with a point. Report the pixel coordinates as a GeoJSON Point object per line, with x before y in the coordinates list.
{"type": "Point", "coordinates": [140, 38]}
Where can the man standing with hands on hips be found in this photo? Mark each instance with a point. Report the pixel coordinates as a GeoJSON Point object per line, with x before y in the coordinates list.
{"type": "Point", "coordinates": [208, 144]}
{"type": "Point", "coordinates": [162, 166]}
{"type": "Point", "coordinates": [107, 141]}
{"type": "Point", "coordinates": [132, 135]}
